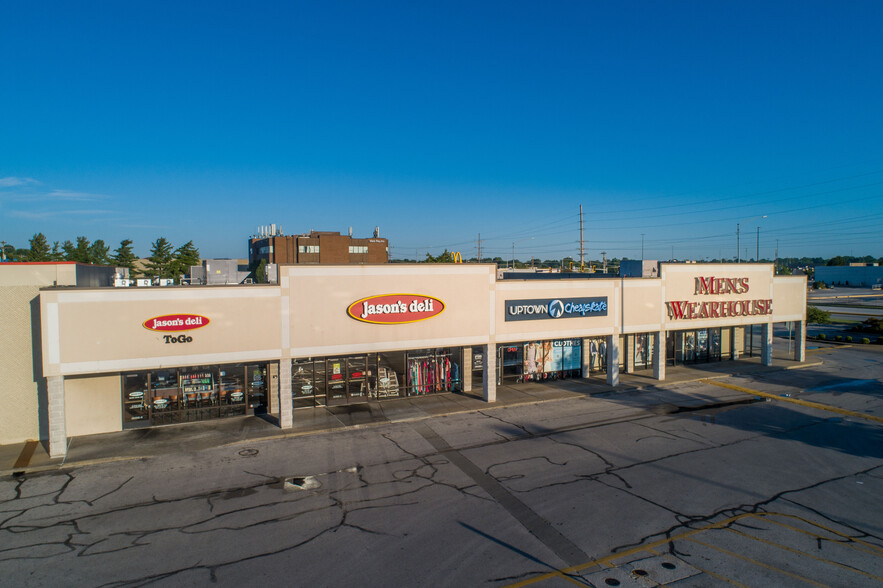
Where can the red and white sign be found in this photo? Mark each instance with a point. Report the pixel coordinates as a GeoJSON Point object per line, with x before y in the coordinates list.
{"type": "Point", "coordinates": [176, 322]}
{"type": "Point", "coordinates": [395, 309]}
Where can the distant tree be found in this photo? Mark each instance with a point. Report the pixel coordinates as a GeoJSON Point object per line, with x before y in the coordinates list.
{"type": "Point", "coordinates": [124, 257]}
{"type": "Point", "coordinates": [79, 252]}
{"type": "Point", "coordinates": [839, 260]}
{"type": "Point", "coordinates": [260, 273]}
{"type": "Point", "coordinates": [22, 255]}
{"type": "Point", "coordinates": [56, 254]}
{"type": "Point", "coordinates": [68, 251]}
{"type": "Point", "coordinates": [39, 248]}
{"type": "Point", "coordinates": [98, 253]}
{"type": "Point", "coordinates": [184, 256]}
{"type": "Point", "coordinates": [159, 263]}
{"type": "Point", "coordinates": [445, 257]}
{"type": "Point", "coordinates": [9, 252]}
{"type": "Point", "coordinates": [817, 316]}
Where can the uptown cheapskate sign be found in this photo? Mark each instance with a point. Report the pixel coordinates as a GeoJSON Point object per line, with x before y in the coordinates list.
{"type": "Point", "coordinates": [689, 310]}
{"type": "Point", "coordinates": [556, 308]}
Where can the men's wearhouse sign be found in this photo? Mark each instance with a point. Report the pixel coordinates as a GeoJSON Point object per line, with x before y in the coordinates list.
{"type": "Point", "coordinates": [544, 308]}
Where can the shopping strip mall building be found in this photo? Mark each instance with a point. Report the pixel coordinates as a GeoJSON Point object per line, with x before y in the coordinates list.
{"type": "Point", "coordinates": [119, 358]}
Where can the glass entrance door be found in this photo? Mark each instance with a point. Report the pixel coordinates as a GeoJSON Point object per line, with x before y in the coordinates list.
{"type": "Point", "coordinates": [256, 387]}
{"type": "Point", "coordinates": [335, 377]}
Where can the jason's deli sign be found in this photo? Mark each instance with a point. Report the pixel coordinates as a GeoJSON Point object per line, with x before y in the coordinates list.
{"type": "Point", "coordinates": [395, 309]}
{"type": "Point", "coordinates": [544, 308]}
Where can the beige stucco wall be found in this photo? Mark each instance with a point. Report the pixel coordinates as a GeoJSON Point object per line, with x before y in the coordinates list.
{"type": "Point", "coordinates": [92, 405]}
{"type": "Point", "coordinates": [101, 330]}
{"type": "Point", "coordinates": [679, 281]}
{"type": "Point", "coordinates": [19, 377]}
{"type": "Point", "coordinates": [38, 274]}
{"type": "Point", "coordinates": [789, 293]}
{"type": "Point", "coordinates": [643, 308]}
{"type": "Point", "coordinates": [319, 298]}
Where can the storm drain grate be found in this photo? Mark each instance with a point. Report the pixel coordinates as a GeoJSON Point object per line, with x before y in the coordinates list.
{"type": "Point", "coordinates": [651, 571]}
{"type": "Point", "coordinates": [301, 483]}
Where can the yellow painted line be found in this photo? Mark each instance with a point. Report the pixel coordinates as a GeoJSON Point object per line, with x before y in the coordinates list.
{"type": "Point", "coordinates": [622, 554]}
{"type": "Point", "coordinates": [607, 561]}
{"type": "Point", "coordinates": [756, 562]}
{"type": "Point", "coordinates": [870, 547]}
{"type": "Point", "coordinates": [797, 401]}
{"type": "Point", "coordinates": [804, 554]}
{"type": "Point", "coordinates": [719, 577]}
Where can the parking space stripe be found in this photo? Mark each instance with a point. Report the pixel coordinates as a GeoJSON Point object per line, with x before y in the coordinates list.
{"type": "Point", "coordinates": [755, 562]}
{"type": "Point", "coordinates": [806, 403]}
{"type": "Point", "coordinates": [872, 549]}
{"type": "Point", "coordinates": [804, 554]}
{"type": "Point", "coordinates": [651, 548]}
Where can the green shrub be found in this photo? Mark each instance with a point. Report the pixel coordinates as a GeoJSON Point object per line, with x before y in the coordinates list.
{"type": "Point", "coordinates": [822, 336]}
{"type": "Point", "coordinates": [838, 338]}
{"type": "Point", "coordinates": [819, 317]}
{"type": "Point", "coordinates": [865, 340]}
{"type": "Point", "coordinates": [849, 338]}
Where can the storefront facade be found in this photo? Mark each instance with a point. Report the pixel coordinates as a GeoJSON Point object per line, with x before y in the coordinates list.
{"type": "Point", "coordinates": [333, 335]}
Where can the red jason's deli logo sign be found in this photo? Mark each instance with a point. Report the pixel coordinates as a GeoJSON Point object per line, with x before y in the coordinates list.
{"type": "Point", "coordinates": [395, 309]}
{"type": "Point", "coordinates": [176, 322]}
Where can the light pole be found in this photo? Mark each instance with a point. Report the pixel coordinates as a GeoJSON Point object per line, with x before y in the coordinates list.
{"type": "Point", "coordinates": [642, 247]}
{"type": "Point", "coordinates": [739, 259]}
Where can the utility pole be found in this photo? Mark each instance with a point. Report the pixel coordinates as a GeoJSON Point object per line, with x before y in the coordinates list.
{"type": "Point", "coordinates": [581, 251]}
{"type": "Point", "coordinates": [775, 267]}
{"type": "Point", "coordinates": [737, 243]}
{"type": "Point", "coordinates": [757, 255]}
{"type": "Point", "coordinates": [479, 248]}
{"type": "Point", "coordinates": [642, 248]}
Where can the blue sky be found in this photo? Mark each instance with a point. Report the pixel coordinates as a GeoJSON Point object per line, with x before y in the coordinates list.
{"type": "Point", "coordinates": [670, 122]}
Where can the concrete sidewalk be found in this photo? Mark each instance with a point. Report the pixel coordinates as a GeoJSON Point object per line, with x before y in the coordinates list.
{"type": "Point", "coordinates": [32, 456]}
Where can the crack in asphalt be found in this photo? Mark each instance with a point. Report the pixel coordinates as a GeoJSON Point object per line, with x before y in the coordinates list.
{"type": "Point", "coordinates": [262, 505]}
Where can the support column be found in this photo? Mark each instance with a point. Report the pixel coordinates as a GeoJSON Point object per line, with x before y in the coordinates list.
{"type": "Point", "coordinates": [57, 424]}
{"type": "Point", "coordinates": [659, 355]}
{"type": "Point", "coordinates": [799, 341]}
{"type": "Point", "coordinates": [629, 351]}
{"type": "Point", "coordinates": [489, 375]}
{"type": "Point", "coordinates": [737, 341]}
{"type": "Point", "coordinates": [587, 358]}
{"type": "Point", "coordinates": [612, 360]}
{"type": "Point", "coordinates": [766, 344]}
{"type": "Point", "coordinates": [285, 403]}
{"type": "Point", "coordinates": [467, 369]}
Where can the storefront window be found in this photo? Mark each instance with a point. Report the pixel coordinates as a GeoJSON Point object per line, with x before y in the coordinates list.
{"type": "Point", "coordinates": [540, 360]}
{"type": "Point", "coordinates": [135, 394]}
{"type": "Point", "coordinates": [307, 388]}
{"type": "Point", "coordinates": [195, 393]}
{"type": "Point", "coordinates": [433, 370]}
{"type": "Point", "coordinates": [700, 346]}
{"type": "Point", "coordinates": [643, 350]}
{"type": "Point", "coordinates": [373, 376]}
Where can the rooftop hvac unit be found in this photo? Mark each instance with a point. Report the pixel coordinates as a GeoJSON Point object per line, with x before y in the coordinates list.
{"type": "Point", "coordinates": [143, 282]}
